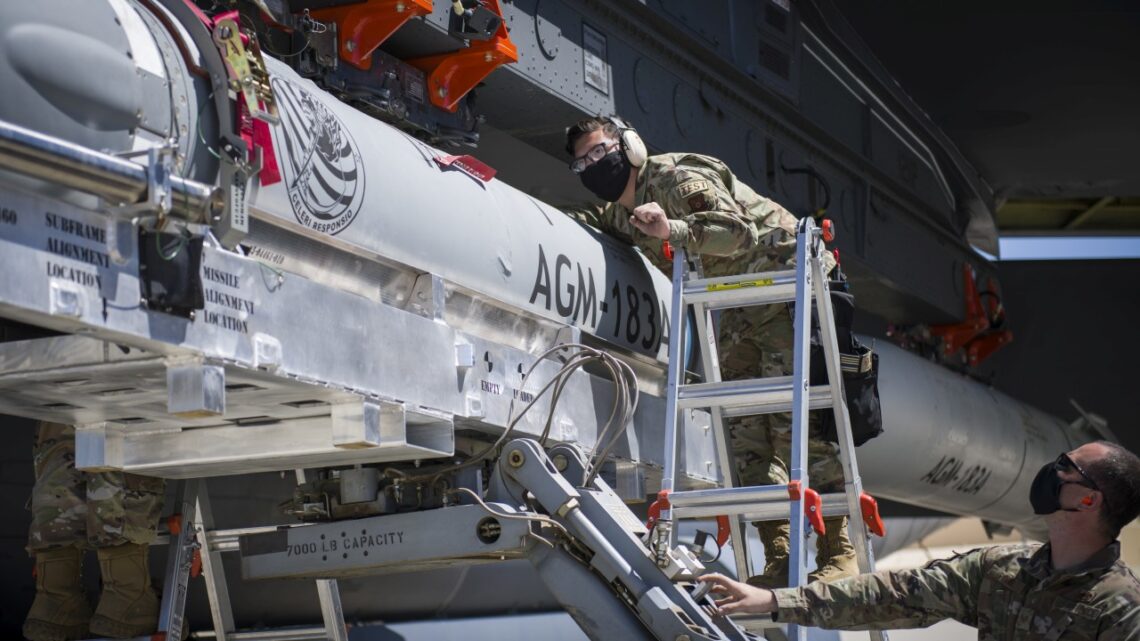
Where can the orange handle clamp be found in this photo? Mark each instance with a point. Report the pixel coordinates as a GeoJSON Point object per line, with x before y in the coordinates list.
{"type": "Point", "coordinates": [662, 503]}
{"type": "Point", "coordinates": [828, 230]}
{"type": "Point", "coordinates": [813, 510]}
{"type": "Point", "coordinates": [813, 505]}
{"type": "Point", "coordinates": [667, 249]}
{"type": "Point", "coordinates": [723, 531]}
{"type": "Point", "coordinates": [871, 518]}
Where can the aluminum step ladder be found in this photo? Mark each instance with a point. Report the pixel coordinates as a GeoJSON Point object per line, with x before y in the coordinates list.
{"type": "Point", "coordinates": [795, 501]}
{"type": "Point", "coordinates": [195, 548]}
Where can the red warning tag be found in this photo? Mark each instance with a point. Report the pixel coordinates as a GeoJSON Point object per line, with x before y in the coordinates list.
{"type": "Point", "coordinates": [469, 165]}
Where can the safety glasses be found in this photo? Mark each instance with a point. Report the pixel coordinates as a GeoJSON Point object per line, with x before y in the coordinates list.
{"type": "Point", "coordinates": [592, 155]}
{"type": "Point", "coordinates": [1066, 464]}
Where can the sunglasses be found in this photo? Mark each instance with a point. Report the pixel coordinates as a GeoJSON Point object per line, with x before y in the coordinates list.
{"type": "Point", "coordinates": [592, 155]}
{"type": "Point", "coordinates": [1066, 464]}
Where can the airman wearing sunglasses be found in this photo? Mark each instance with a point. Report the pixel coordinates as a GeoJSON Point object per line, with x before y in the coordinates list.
{"type": "Point", "coordinates": [1074, 587]}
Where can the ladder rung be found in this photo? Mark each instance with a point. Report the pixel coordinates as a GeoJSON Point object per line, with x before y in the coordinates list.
{"type": "Point", "coordinates": [750, 396]}
{"type": "Point", "coordinates": [727, 496]}
{"type": "Point", "coordinates": [834, 504]}
{"type": "Point", "coordinates": [742, 290]}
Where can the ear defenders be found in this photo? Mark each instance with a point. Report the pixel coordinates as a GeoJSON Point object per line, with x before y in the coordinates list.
{"type": "Point", "coordinates": [631, 143]}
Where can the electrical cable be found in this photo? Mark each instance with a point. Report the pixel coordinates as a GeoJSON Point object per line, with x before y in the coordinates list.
{"type": "Point", "coordinates": [537, 518]}
{"type": "Point", "coordinates": [511, 419]}
{"type": "Point", "coordinates": [183, 239]}
{"type": "Point", "coordinates": [624, 406]}
{"type": "Point", "coordinates": [631, 409]}
{"type": "Point", "coordinates": [201, 136]}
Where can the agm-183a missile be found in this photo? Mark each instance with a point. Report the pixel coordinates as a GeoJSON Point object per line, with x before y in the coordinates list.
{"type": "Point", "coordinates": [366, 208]}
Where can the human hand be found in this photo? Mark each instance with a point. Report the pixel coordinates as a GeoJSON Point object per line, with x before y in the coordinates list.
{"type": "Point", "coordinates": [651, 220]}
{"type": "Point", "coordinates": [739, 597]}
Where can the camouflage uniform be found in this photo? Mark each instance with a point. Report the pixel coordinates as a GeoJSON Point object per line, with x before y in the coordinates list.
{"type": "Point", "coordinates": [86, 509]}
{"type": "Point", "coordinates": [735, 231]}
{"type": "Point", "coordinates": [1009, 592]}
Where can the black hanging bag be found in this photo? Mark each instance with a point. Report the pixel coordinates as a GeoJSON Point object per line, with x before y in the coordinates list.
{"type": "Point", "coordinates": [860, 367]}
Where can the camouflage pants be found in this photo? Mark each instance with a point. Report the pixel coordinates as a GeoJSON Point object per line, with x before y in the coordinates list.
{"type": "Point", "coordinates": [758, 342]}
{"type": "Point", "coordinates": [87, 509]}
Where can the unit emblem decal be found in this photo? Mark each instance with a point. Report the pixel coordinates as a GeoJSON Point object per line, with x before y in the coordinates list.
{"type": "Point", "coordinates": [321, 162]}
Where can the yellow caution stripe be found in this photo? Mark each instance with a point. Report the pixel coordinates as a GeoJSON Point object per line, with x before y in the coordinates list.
{"type": "Point", "coordinates": [720, 287]}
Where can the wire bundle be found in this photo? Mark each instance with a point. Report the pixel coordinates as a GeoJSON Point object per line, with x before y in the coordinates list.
{"type": "Point", "coordinates": [626, 397]}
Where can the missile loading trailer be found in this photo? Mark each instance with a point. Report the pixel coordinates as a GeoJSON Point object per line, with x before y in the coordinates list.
{"type": "Point", "coordinates": [382, 304]}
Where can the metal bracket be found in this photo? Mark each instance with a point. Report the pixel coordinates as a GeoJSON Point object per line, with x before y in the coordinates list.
{"type": "Point", "coordinates": [428, 297]}
{"type": "Point", "coordinates": [248, 75]}
{"type": "Point", "coordinates": [322, 37]}
{"type": "Point", "coordinates": [232, 226]}
{"type": "Point", "coordinates": [195, 389]}
{"type": "Point", "coordinates": [159, 195]}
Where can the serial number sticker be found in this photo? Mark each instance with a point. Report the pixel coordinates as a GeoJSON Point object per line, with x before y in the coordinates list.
{"type": "Point", "coordinates": [595, 69]}
{"type": "Point", "coordinates": [745, 284]}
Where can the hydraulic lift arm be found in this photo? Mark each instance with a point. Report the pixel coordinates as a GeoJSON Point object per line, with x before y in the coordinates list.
{"type": "Point", "coordinates": [583, 541]}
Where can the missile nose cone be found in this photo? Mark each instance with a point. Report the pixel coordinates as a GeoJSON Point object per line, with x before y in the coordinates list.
{"type": "Point", "coordinates": [67, 70]}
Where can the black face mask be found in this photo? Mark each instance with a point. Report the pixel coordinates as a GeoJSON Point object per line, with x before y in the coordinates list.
{"type": "Point", "coordinates": [608, 177]}
{"type": "Point", "coordinates": [1045, 493]}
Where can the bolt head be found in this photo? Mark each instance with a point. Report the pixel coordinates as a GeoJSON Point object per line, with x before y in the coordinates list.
{"type": "Point", "coordinates": [350, 46]}
{"type": "Point", "coordinates": [561, 462]}
{"type": "Point", "coordinates": [516, 458]}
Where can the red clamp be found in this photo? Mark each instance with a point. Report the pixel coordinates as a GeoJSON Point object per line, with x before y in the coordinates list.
{"type": "Point", "coordinates": [813, 505]}
{"type": "Point", "coordinates": [870, 509]}
{"type": "Point", "coordinates": [723, 530]}
{"type": "Point", "coordinates": [980, 348]}
{"type": "Point", "coordinates": [667, 249]}
{"type": "Point", "coordinates": [451, 75]}
{"type": "Point", "coordinates": [365, 26]}
{"type": "Point", "coordinates": [813, 510]}
{"type": "Point", "coordinates": [955, 336]}
{"type": "Point", "coordinates": [828, 230]}
{"type": "Point", "coordinates": [196, 564]}
{"type": "Point", "coordinates": [662, 503]}
{"type": "Point", "coordinates": [174, 524]}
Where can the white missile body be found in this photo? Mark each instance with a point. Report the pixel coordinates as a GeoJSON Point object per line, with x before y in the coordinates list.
{"type": "Point", "coordinates": [368, 209]}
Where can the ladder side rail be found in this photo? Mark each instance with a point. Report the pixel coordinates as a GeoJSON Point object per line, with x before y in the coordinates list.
{"type": "Point", "coordinates": [710, 363]}
{"type": "Point", "coordinates": [328, 593]}
{"type": "Point", "coordinates": [853, 485]}
{"type": "Point", "coordinates": [331, 610]}
{"type": "Point", "coordinates": [801, 372]}
{"type": "Point", "coordinates": [675, 374]}
{"type": "Point", "coordinates": [179, 558]}
{"type": "Point", "coordinates": [217, 591]}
